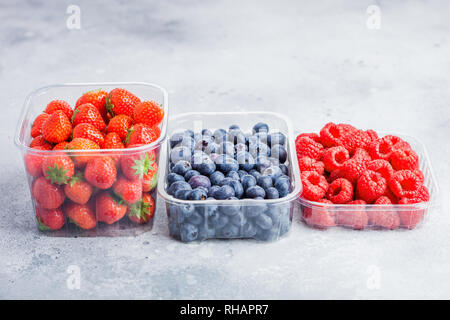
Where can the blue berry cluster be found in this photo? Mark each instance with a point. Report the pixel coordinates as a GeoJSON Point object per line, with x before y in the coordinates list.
{"type": "Point", "coordinates": [228, 165]}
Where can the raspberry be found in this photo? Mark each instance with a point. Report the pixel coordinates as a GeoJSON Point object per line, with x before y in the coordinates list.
{"type": "Point", "coordinates": [384, 218]}
{"type": "Point", "coordinates": [353, 217]}
{"type": "Point", "coordinates": [361, 155]}
{"type": "Point", "coordinates": [333, 158]}
{"type": "Point", "coordinates": [318, 216]}
{"type": "Point", "coordinates": [314, 185]}
{"type": "Point", "coordinates": [313, 136]}
{"type": "Point", "coordinates": [340, 191]}
{"type": "Point", "coordinates": [352, 170]}
{"type": "Point", "coordinates": [334, 175]}
{"type": "Point", "coordinates": [371, 185]}
{"type": "Point", "coordinates": [422, 195]}
{"type": "Point", "coordinates": [410, 216]}
{"type": "Point", "coordinates": [419, 173]}
{"type": "Point", "coordinates": [390, 195]}
{"type": "Point", "coordinates": [404, 183]}
{"type": "Point", "coordinates": [380, 149]}
{"type": "Point", "coordinates": [404, 159]}
{"type": "Point", "coordinates": [372, 135]}
{"type": "Point", "coordinates": [355, 139]}
{"type": "Point", "coordinates": [308, 164]}
{"type": "Point", "coordinates": [381, 166]}
{"type": "Point", "coordinates": [347, 128]}
{"type": "Point", "coordinates": [331, 134]}
{"type": "Point", "coordinates": [307, 147]}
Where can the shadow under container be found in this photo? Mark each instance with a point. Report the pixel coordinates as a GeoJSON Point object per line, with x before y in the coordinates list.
{"type": "Point", "coordinates": [264, 220]}
{"type": "Point", "coordinates": [360, 217]}
{"type": "Point", "coordinates": [106, 217]}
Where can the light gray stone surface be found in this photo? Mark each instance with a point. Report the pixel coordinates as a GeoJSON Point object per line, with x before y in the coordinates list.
{"type": "Point", "coordinates": [315, 61]}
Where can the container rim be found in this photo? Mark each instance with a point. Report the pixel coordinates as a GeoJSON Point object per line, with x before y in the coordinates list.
{"type": "Point", "coordinates": [293, 195]}
{"type": "Point", "coordinates": [30, 96]}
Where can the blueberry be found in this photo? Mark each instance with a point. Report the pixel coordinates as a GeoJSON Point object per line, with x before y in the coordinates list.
{"type": "Point", "coordinates": [284, 169]}
{"type": "Point", "coordinates": [276, 138]}
{"type": "Point", "coordinates": [255, 191]}
{"type": "Point", "coordinates": [272, 193]}
{"type": "Point", "coordinates": [256, 209]}
{"type": "Point", "coordinates": [230, 209]}
{"type": "Point", "coordinates": [238, 219]}
{"type": "Point", "coordinates": [180, 153]}
{"type": "Point", "coordinates": [259, 149]}
{"type": "Point", "coordinates": [249, 230]}
{"type": "Point", "coordinates": [198, 194]}
{"type": "Point", "coordinates": [195, 218]}
{"type": "Point", "coordinates": [226, 147]}
{"type": "Point", "coordinates": [216, 177]}
{"type": "Point", "coordinates": [226, 164]}
{"type": "Point", "coordinates": [211, 210]}
{"type": "Point", "coordinates": [283, 186]}
{"type": "Point", "coordinates": [176, 138]}
{"type": "Point", "coordinates": [275, 214]}
{"type": "Point", "coordinates": [262, 137]}
{"type": "Point", "coordinates": [246, 161]}
{"type": "Point", "coordinates": [206, 132]}
{"type": "Point", "coordinates": [188, 232]}
{"type": "Point", "coordinates": [207, 167]}
{"type": "Point", "coordinates": [172, 177]}
{"type": "Point", "coordinates": [189, 133]}
{"type": "Point", "coordinates": [182, 194]}
{"type": "Point", "coordinates": [213, 156]}
{"type": "Point", "coordinates": [260, 127]}
{"type": "Point", "coordinates": [273, 172]}
{"type": "Point", "coordinates": [262, 163]}
{"type": "Point", "coordinates": [222, 221]}
{"type": "Point", "coordinates": [220, 135]}
{"type": "Point", "coordinates": [274, 162]}
{"type": "Point", "coordinates": [238, 188]}
{"type": "Point", "coordinates": [188, 142]}
{"type": "Point", "coordinates": [233, 175]}
{"type": "Point", "coordinates": [240, 147]}
{"type": "Point", "coordinates": [264, 182]}
{"type": "Point", "coordinates": [248, 181]}
{"type": "Point", "coordinates": [242, 173]}
{"type": "Point", "coordinates": [189, 174]}
{"type": "Point", "coordinates": [198, 159]}
{"type": "Point", "coordinates": [197, 137]}
{"type": "Point", "coordinates": [174, 229]}
{"type": "Point", "coordinates": [255, 173]}
{"type": "Point", "coordinates": [212, 148]}
{"type": "Point", "coordinates": [199, 181]}
{"type": "Point", "coordinates": [203, 143]}
{"type": "Point", "coordinates": [185, 210]}
{"type": "Point", "coordinates": [212, 190]}
{"type": "Point", "coordinates": [178, 185]}
{"type": "Point", "coordinates": [236, 136]}
{"type": "Point", "coordinates": [278, 152]}
{"type": "Point", "coordinates": [233, 127]}
{"type": "Point", "coordinates": [224, 192]}
{"type": "Point", "coordinates": [263, 221]}
{"type": "Point", "coordinates": [230, 231]}
{"type": "Point", "coordinates": [267, 235]}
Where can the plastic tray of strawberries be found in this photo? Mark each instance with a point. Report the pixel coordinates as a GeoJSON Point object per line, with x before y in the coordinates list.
{"type": "Point", "coordinates": [90, 153]}
{"type": "Point", "coordinates": [197, 211]}
{"type": "Point", "coordinates": [362, 179]}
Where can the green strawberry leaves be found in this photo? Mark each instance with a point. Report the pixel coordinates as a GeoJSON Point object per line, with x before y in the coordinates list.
{"type": "Point", "coordinates": [143, 165]}
{"type": "Point", "coordinates": [57, 174]}
{"type": "Point", "coordinates": [109, 106]}
{"type": "Point", "coordinates": [42, 226]}
{"type": "Point", "coordinates": [140, 210]}
{"type": "Point", "coordinates": [76, 178]}
{"type": "Point", "coordinates": [75, 112]}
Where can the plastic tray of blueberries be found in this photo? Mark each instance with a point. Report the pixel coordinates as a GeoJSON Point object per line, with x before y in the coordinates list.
{"type": "Point", "coordinates": [411, 215]}
{"type": "Point", "coordinates": [205, 212]}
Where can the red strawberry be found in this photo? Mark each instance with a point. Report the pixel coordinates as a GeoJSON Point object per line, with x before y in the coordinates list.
{"type": "Point", "coordinates": [57, 127]}
{"type": "Point", "coordinates": [88, 131]}
{"type": "Point", "coordinates": [81, 158]}
{"type": "Point", "coordinates": [58, 169]}
{"type": "Point", "coordinates": [150, 179]}
{"type": "Point", "coordinates": [149, 113]}
{"type": "Point", "coordinates": [135, 166]}
{"type": "Point", "coordinates": [141, 212]}
{"type": "Point", "coordinates": [39, 141]}
{"type": "Point", "coordinates": [61, 146]}
{"type": "Point", "coordinates": [36, 128]}
{"type": "Point", "coordinates": [97, 98]}
{"type": "Point", "coordinates": [87, 113]}
{"type": "Point", "coordinates": [121, 101]}
{"type": "Point", "coordinates": [100, 172]}
{"type": "Point", "coordinates": [129, 191]}
{"type": "Point", "coordinates": [142, 134]}
{"type": "Point", "coordinates": [113, 141]}
{"type": "Point", "coordinates": [109, 209]}
{"type": "Point", "coordinates": [82, 215]}
{"type": "Point", "coordinates": [318, 216]}
{"type": "Point", "coordinates": [33, 162]}
{"type": "Point", "coordinates": [78, 190]}
{"type": "Point", "coordinates": [52, 219]}
{"type": "Point", "coordinates": [120, 125]}
{"type": "Point", "coordinates": [46, 194]}
{"type": "Point", "coordinates": [59, 105]}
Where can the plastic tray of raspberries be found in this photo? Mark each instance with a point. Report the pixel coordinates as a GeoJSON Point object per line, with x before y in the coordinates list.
{"type": "Point", "coordinates": [362, 179]}
{"type": "Point", "coordinates": [229, 175]}
{"type": "Point", "coordinates": [90, 153]}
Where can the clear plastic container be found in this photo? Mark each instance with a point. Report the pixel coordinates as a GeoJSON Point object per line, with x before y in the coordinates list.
{"type": "Point", "coordinates": [265, 220]}
{"type": "Point", "coordinates": [358, 217]}
{"type": "Point", "coordinates": [99, 216]}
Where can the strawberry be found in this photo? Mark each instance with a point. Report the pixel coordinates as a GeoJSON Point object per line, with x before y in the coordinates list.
{"type": "Point", "coordinates": [142, 211]}
{"type": "Point", "coordinates": [46, 194]}
{"type": "Point", "coordinates": [149, 113]}
{"type": "Point", "coordinates": [81, 158]}
{"type": "Point", "coordinates": [141, 134]}
{"type": "Point", "coordinates": [59, 105]}
{"type": "Point", "coordinates": [97, 98]}
{"type": "Point", "coordinates": [61, 146]}
{"type": "Point", "coordinates": [135, 166]}
{"type": "Point", "coordinates": [82, 215]}
{"type": "Point", "coordinates": [150, 179]}
{"type": "Point", "coordinates": [78, 190]}
{"type": "Point", "coordinates": [120, 125]}
{"type": "Point", "coordinates": [39, 141]}
{"type": "Point", "coordinates": [87, 113]}
{"type": "Point", "coordinates": [52, 219]}
{"type": "Point", "coordinates": [36, 128]}
{"type": "Point", "coordinates": [121, 101]}
{"type": "Point", "coordinates": [57, 127]}
{"type": "Point", "coordinates": [58, 169]}
{"type": "Point", "coordinates": [129, 191]}
{"type": "Point", "coordinates": [100, 172]}
{"type": "Point", "coordinates": [113, 141]}
{"type": "Point", "coordinates": [108, 208]}
{"type": "Point", "coordinates": [33, 162]}
{"type": "Point", "coordinates": [88, 131]}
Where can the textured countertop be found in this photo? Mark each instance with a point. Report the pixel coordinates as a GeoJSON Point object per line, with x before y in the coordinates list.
{"type": "Point", "coordinates": [314, 61]}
